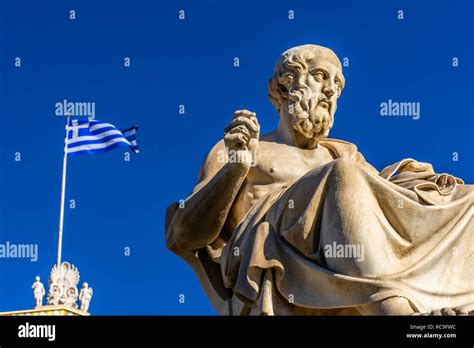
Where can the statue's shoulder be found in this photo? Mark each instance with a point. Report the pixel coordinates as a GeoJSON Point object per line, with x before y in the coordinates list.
{"type": "Point", "coordinates": [340, 148]}
{"type": "Point", "coordinates": [346, 150]}
{"type": "Point", "coordinates": [214, 161]}
{"type": "Point", "coordinates": [217, 148]}
{"type": "Point", "coordinates": [215, 154]}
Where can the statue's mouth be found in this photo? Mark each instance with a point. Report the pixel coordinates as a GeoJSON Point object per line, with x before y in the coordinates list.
{"type": "Point", "coordinates": [325, 104]}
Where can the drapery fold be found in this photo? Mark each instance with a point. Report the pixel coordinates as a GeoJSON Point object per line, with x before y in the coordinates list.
{"type": "Point", "coordinates": [414, 232]}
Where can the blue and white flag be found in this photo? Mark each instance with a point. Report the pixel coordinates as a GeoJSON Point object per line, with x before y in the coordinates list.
{"type": "Point", "coordinates": [88, 137]}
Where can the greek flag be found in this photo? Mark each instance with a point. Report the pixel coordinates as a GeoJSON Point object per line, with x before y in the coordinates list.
{"type": "Point", "coordinates": [88, 137]}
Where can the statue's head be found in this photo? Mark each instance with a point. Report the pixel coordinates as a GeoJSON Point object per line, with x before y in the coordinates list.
{"type": "Point", "coordinates": [85, 285]}
{"type": "Point", "coordinates": [306, 83]}
{"type": "Point", "coordinates": [37, 278]}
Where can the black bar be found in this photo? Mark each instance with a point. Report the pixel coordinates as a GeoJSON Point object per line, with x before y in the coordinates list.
{"type": "Point", "coordinates": [243, 330]}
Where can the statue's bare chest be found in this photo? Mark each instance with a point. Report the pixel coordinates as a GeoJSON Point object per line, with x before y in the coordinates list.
{"type": "Point", "coordinates": [276, 164]}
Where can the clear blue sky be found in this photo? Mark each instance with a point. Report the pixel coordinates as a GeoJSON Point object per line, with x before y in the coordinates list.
{"type": "Point", "coordinates": [190, 62]}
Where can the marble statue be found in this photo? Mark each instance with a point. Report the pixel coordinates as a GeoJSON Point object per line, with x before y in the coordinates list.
{"type": "Point", "coordinates": [38, 291]}
{"type": "Point", "coordinates": [294, 222]}
{"type": "Point", "coordinates": [85, 297]}
{"type": "Point", "coordinates": [63, 282]}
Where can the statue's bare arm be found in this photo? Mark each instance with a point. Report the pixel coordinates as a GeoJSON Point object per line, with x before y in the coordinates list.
{"type": "Point", "coordinates": [205, 211]}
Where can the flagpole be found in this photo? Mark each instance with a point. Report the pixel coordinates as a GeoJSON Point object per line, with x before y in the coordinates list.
{"type": "Point", "coordinates": [63, 193]}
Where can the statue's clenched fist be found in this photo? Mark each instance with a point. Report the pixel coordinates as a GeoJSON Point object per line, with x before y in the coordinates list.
{"type": "Point", "coordinates": [242, 133]}
{"type": "Point", "coordinates": [241, 136]}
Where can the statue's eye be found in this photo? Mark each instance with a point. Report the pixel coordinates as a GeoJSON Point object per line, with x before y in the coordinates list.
{"type": "Point", "coordinates": [318, 75]}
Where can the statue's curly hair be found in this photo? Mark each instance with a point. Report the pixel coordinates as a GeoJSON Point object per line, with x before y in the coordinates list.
{"type": "Point", "coordinates": [292, 63]}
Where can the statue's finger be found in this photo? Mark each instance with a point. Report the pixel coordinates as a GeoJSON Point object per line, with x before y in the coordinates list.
{"type": "Point", "coordinates": [240, 129]}
{"type": "Point", "coordinates": [236, 139]}
{"type": "Point", "coordinates": [243, 121]}
{"type": "Point", "coordinates": [255, 120]}
{"type": "Point", "coordinates": [244, 112]}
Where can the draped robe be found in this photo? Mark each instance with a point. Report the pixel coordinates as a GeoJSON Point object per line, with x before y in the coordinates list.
{"type": "Point", "coordinates": [415, 230]}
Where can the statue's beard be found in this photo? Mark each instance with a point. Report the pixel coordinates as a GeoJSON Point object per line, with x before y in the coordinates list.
{"type": "Point", "coordinates": [310, 119]}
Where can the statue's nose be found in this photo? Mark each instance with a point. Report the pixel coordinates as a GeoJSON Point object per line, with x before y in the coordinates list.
{"type": "Point", "coordinates": [328, 91]}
